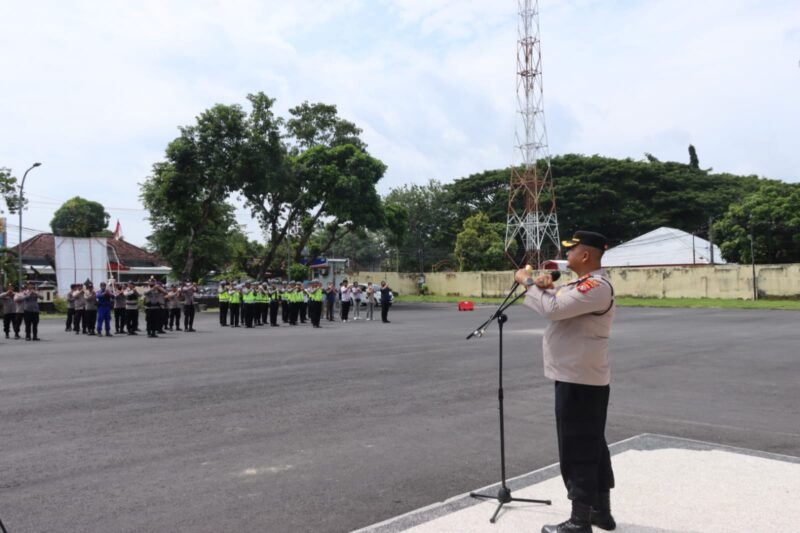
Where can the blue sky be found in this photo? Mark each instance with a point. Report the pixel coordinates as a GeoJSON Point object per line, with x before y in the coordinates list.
{"type": "Point", "coordinates": [96, 89]}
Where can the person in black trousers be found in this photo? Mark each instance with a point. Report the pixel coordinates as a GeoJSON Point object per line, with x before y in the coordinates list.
{"type": "Point", "coordinates": [10, 312]}
{"type": "Point", "coordinates": [386, 301]}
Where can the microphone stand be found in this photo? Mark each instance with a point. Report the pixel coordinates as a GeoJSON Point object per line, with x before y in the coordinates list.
{"type": "Point", "coordinates": [503, 495]}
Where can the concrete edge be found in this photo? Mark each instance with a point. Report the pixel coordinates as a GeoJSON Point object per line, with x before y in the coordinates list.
{"type": "Point", "coordinates": [643, 442]}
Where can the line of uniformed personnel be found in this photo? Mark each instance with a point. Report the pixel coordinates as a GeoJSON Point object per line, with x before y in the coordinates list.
{"type": "Point", "coordinates": [258, 304]}
{"type": "Point", "coordinates": [90, 311]}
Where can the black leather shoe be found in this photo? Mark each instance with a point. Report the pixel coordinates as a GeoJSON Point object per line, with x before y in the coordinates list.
{"type": "Point", "coordinates": [579, 522]}
{"type": "Point", "coordinates": [601, 512]}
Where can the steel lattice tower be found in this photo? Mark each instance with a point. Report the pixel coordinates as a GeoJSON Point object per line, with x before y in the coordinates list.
{"type": "Point", "coordinates": [532, 225]}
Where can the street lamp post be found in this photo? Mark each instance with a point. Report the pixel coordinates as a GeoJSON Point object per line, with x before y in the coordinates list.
{"type": "Point", "coordinates": [19, 207]}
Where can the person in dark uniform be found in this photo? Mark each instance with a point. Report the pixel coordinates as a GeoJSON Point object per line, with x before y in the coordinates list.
{"type": "Point", "coordinates": [235, 304]}
{"type": "Point", "coordinates": [386, 301]}
{"type": "Point", "coordinates": [330, 301]}
{"type": "Point", "coordinates": [284, 292]}
{"type": "Point", "coordinates": [248, 304]}
{"type": "Point", "coordinates": [274, 305]}
{"type": "Point", "coordinates": [131, 309]}
{"type": "Point", "coordinates": [174, 308]}
{"type": "Point", "coordinates": [119, 308]}
{"type": "Point", "coordinates": [90, 311]}
{"type": "Point", "coordinates": [152, 308]}
{"type": "Point", "coordinates": [10, 312]}
{"type": "Point", "coordinates": [30, 300]}
{"type": "Point", "coordinates": [70, 308]}
{"type": "Point", "coordinates": [80, 307]}
{"type": "Point", "coordinates": [315, 297]}
{"type": "Point", "coordinates": [576, 358]}
{"type": "Point", "coordinates": [303, 302]}
{"type": "Point", "coordinates": [188, 291]}
{"type": "Point", "coordinates": [224, 299]}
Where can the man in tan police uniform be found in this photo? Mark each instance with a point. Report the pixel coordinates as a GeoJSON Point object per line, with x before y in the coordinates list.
{"type": "Point", "coordinates": [575, 350]}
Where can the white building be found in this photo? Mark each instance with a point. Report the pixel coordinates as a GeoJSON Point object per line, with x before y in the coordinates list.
{"type": "Point", "coordinates": [661, 247]}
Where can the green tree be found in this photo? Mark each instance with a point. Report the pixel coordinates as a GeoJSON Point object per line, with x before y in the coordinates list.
{"type": "Point", "coordinates": [8, 189]}
{"type": "Point", "coordinates": [772, 215]}
{"type": "Point", "coordinates": [694, 162]}
{"type": "Point", "coordinates": [298, 272]}
{"type": "Point", "coordinates": [479, 245]}
{"type": "Point", "coordinates": [78, 217]}
{"type": "Point", "coordinates": [188, 192]}
{"type": "Point", "coordinates": [432, 225]}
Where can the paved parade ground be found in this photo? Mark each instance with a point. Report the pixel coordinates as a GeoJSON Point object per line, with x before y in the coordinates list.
{"type": "Point", "coordinates": [293, 429]}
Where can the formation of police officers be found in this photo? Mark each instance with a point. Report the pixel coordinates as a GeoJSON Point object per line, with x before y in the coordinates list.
{"type": "Point", "coordinates": [258, 304]}
{"type": "Point", "coordinates": [21, 307]}
{"type": "Point", "coordinates": [89, 311]}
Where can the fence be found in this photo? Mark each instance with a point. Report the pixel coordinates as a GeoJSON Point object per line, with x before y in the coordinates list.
{"type": "Point", "coordinates": [706, 281]}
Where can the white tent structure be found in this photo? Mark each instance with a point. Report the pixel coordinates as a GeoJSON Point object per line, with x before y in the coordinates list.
{"type": "Point", "coordinates": [660, 247]}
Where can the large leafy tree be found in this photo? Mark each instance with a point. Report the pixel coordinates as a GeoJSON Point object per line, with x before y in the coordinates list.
{"type": "Point", "coordinates": [78, 217]}
{"type": "Point", "coordinates": [187, 195]}
{"type": "Point", "coordinates": [772, 216]}
{"type": "Point", "coordinates": [432, 225]}
{"type": "Point", "coordinates": [480, 244]}
{"type": "Point", "coordinates": [294, 175]}
{"type": "Point", "coordinates": [325, 178]}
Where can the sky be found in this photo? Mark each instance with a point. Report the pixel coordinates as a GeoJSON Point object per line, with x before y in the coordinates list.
{"type": "Point", "coordinates": [94, 90]}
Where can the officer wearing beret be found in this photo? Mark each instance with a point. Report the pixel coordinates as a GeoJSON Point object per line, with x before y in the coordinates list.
{"type": "Point", "coordinates": [575, 349]}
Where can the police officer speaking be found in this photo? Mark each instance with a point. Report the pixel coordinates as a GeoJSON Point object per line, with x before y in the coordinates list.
{"type": "Point", "coordinates": [575, 349]}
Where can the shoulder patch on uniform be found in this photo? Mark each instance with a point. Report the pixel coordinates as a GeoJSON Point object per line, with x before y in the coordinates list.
{"type": "Point", "coordinates": [587, 285]}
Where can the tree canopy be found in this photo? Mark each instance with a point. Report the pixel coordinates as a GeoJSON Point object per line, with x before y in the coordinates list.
{"type": "Point", "coordinates": [78, 217]}
{"type": "Point", "coordinates": [296, 176]}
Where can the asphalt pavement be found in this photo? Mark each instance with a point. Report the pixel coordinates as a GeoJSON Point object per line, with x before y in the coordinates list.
{"type": "Point", "coordinates": [297, 429]}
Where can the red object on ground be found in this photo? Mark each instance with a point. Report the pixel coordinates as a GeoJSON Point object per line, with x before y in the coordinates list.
{"type": "Point", "coordinates": [466, 305]}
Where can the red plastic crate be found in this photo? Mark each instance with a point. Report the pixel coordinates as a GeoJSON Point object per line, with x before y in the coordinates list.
{"type": "Point", "coordinates": [466, 305]}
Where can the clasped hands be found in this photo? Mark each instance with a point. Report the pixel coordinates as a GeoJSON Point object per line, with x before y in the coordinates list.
{"type": "Point", "coordinates": [543, 281]}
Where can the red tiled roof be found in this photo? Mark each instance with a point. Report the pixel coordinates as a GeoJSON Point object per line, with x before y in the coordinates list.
{"type": "Point", "coordinates": [43, 246]}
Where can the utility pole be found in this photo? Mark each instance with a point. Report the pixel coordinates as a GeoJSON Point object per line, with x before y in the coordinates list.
{"type": "Point", "coordinates": [20, 206]}
{"type": "Point", "coordinates": [711, 238]}
{"type": "Point", "coordinates": [531, 200]}
{"type": "Point", "coordinates": [753, 261]}
{"type": "Point", "coordinates": [694, 258]}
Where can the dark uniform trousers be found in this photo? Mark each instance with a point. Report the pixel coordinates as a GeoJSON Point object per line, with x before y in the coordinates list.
{"type": "Point", "coordinates": [175, 318]}
{"type": "Point", "coordinates": [223, 313]}
{"type": "Point", "coordinates": [152, 317]}
{"type": "Point", "coordinates": [131, 320]}
{"type": "Point", "coordinates": [294, 309]}
{"type": "Point", "coordinates": [70, 315]}
{"type": "Point", "coordinates": [77, 319]}
{"type": "Point", "coordinates": [285, 311]}
{"type": "Point", "coordinates": [89, 320]}
{"type": "Point", "coordinates": [31, 324]}
{"type": "Point", "coordinates": [234, 308]}
{"type": "Point", "coordinates": [11, 321]}
{"type": "Point", "coordinates": [188, 316]}
{"type": "Point", "coordinates": [249, 310]}
{"type": "Point", "coordinates": [582, 450]}
{"type": "Point", "coordinates": [303, 311]}
{"type": "Point", "coordinates": [119, 319]}
{"type": "Point", "coordinates": [273, 312]}
{"type": "Point", "coordinates": [315, 312]}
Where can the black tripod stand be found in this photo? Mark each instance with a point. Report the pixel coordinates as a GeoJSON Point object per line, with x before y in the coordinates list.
{"type": "Point", "coordinates": [503, 493]}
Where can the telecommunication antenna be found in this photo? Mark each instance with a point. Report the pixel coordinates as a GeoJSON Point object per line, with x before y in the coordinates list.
{"type": "Point", "coordinates": [532, 225]}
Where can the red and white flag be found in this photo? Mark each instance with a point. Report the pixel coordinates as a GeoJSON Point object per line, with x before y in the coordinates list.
{"type": "Point", "coordinates": [118, 231]}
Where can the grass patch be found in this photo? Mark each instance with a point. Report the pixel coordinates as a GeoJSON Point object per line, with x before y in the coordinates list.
{"type": "Point", "coordinates": [704, 303]}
